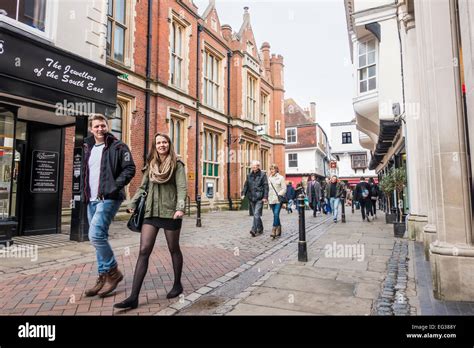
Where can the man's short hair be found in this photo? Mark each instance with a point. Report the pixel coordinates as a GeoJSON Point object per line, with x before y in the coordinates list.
{"type": "Point", "coordinates": [255, 163]}
{"type": "Point", "coordinates": [362, 178]}
{"type": "Point", "coordinates": [99, 117]}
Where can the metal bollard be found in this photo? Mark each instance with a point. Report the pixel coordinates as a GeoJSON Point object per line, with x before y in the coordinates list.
{"type": "Point", "coordinates": [198, 203]}
{"type": "Point", "coordinates": [343, 211]}
{"type": "Point", "coordinates": [302, 251]}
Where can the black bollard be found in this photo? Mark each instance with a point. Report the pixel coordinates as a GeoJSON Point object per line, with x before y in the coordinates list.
{"type": "Point", "coordinates": [302, 251]}
{"type": "Point", "coordinates": [343, 211]}
{"type": "Point", "coordinates": [198, 219]}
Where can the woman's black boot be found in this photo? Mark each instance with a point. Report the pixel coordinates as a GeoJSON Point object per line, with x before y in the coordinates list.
{"type": "Point", "coordinates": [130, 302]}
{"type": "Point", "coordinates": [176, 291]}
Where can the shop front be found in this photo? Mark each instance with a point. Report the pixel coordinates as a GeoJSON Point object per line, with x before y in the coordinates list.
{"type": "Point", "coordinates": [43, 89]}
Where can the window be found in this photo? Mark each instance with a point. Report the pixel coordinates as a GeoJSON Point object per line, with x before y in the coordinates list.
{"type": "Point", "coordinates": [210, 147]}
{"type": "Point", "coordinates": [264, 107]}
{"type": "Point", "coordinates": [29, 12]}
{"type": "Point", "coordinates": [359, 161]}
{"type": "Point", "coordinates": [346, 137]}
{"type": "Point", "coordinates": [250, 155]}
{"type": "Point", "coordinates": [249, 47]}
{"type": "Point", "coordinates": [367, 66]}
{"type": "Point", "coordinates": [292, 160]}
{"type": "Point", "coordinates": [251, 97]}
{"type": "Point", "coordinates": [277, 127]}
{"type": "Point", "coordinates": [211, 80]}
{"type": "Point", "coordinates": [116, 30]}
{"type": "Point", "coordinates": [176, 134]}
{"type": "Point", "coordinates": [264, 160]}
{"type": "Point", "coordinates": [116, 122]}
{"type": "Point", "coordinates": [176, 58]}
{"type": "Point", "coordinates": [291, 135]}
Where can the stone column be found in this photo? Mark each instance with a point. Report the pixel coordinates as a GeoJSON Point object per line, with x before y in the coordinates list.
{"type": "Point", "coordinates": [466, 19]}
{"type": "Point", "coordinates": [452, 253]}
{"type": "Point", "coordinates": [428, 233]}
{"type": "Point", "coordinates": [417, 187]}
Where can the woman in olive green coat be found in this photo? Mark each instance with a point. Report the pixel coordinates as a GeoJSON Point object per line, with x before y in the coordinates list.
{"type": "Point", "coordinates": [164, 183]}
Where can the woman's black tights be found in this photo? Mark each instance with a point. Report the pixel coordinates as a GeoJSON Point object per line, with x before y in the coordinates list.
{"type": "Point", "coordinates": [147, 242]}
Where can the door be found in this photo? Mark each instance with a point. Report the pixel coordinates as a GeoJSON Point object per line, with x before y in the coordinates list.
{"type": "Point", "coordinates": [42, 179]}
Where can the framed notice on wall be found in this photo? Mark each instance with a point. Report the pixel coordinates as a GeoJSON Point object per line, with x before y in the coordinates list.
{"type": "Point", "coordinates": [44, 172]}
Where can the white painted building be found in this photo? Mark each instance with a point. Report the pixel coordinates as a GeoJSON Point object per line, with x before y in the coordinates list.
{"type": "Point", "coordinates": [307, 146]}
{"type": "Point", "coordinates": [352, 159]}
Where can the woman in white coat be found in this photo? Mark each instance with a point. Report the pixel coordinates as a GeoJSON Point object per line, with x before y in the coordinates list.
{"type": "Point", "coordinates": [277, 187]}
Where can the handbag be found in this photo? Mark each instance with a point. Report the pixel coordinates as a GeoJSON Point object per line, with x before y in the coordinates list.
{"type": "Point", "coordinates": [136, 220]}
{"type": "Point", "coordinates": [281, 199]}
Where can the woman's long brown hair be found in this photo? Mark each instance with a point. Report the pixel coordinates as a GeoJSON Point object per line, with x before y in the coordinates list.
{"type": "Point", "coordinates": [153, 154]}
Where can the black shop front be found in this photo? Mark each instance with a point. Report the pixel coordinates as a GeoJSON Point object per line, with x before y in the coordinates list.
{"type": "Point", "coordinates": [43, 90]}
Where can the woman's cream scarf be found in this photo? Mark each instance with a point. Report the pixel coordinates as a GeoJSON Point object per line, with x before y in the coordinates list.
{"type": "Point", "coordinates": [162, 173]}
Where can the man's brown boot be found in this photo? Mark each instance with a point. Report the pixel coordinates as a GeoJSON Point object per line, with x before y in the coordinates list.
{"type": "Point", "coordinates": [112, 278]}
{"type": "Point", "coordinates": [278, 231]}
{"type": "Point", "coordinates": [273, 235]}
{"type": "Point", "coordinates": [97, 287]}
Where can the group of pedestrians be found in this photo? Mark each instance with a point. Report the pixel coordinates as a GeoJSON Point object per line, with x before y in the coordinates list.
{"type": "Point", "coordinates": [259, 190]}
{"type": "Point", "coordinates": [366, 194]}
{"type": "Point", "coordinates": [109, 167]}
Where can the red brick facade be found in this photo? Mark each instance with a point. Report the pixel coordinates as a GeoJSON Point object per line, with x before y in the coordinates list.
{"type": "Point", "coordinates": [177, 94]}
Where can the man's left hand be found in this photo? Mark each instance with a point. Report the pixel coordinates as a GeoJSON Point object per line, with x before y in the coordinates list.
{"type": "Point", "coordinates": [265, 200]}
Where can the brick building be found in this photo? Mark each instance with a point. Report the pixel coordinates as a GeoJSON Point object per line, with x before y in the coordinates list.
{"type": "Point", "coordinates": [210, 88]}
{"type": "Point", "coordinates": [307, 147]}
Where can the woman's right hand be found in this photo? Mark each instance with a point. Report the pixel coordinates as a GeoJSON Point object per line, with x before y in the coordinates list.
{"type": "Point", "coordinates": [130, 211]}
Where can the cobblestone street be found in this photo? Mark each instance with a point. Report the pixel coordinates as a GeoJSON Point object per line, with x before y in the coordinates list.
{"type": "Point", "coordinates": [54, 284]}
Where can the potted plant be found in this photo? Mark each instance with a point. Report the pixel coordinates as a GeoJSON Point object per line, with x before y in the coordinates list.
{"type": "Point", "coordinates": [387, 186]}
{"type": "Point", "coordinates": [399, 178]}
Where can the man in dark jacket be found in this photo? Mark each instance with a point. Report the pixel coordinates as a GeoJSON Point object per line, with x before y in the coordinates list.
{"type": "Point", "coordinates": [314, 194]}
{"type": "Point", "coordinates": [256, 189]}
{"type": "Point", "coordinates": [362, 195]}
{"type": "Point", "coordinates": [108, 167]}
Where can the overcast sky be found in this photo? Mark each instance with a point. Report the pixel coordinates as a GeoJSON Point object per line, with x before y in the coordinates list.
{"type": "Point", "coordinates": [312, 37]}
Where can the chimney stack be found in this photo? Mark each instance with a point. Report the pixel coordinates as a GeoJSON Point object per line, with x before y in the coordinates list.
{"type": "Point", "coordinates": [313, 111]}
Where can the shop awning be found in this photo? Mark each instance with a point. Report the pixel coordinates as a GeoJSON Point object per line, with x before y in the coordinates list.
{"type": "Point", "coordinates": [33, 70]}
{"type": "Point", "coordinates": [388, 131]}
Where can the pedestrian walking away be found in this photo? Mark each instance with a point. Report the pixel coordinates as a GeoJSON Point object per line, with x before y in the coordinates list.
{"type": "Point", "coordinates": [256, 190]}
{"type": "Point", "coordinates": [164, 182]}
{"type": "Point", "coordinates": [290, 196]}
{"type": "Point", "coordinates": [334, 191]}
{"type": "Point", "coordinates": [374, 196]}
{"type": "Point", "coordinates": [314, 194]}
{"type": "Point", "coordinates": [108, 167]}
{"type": "Point", "coordinates": [362, 195]}
{"type": "Point", "coordinates": [278, 188]}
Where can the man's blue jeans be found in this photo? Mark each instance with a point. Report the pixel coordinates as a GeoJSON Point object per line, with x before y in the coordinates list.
{"type": "Point", "coordinates": [334, 202]}
{"type": "Point", "coordinates": [257, 208]}
{"type": "Point", "coordinates": [276, 208]}
{"type": "Point", "coordinates": [100, 215]}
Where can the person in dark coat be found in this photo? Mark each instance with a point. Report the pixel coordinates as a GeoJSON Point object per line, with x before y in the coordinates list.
{"type": "Point", "coordinates": [256, 189]}
{"type": "Point", "coordinates": [362, 195]}
{"type": "Point", "coordinates": [290, 196]}
{"type": "Point", "coordinates": [314, 193]}
{"type": "Point", "coordinates": [374, 196]}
